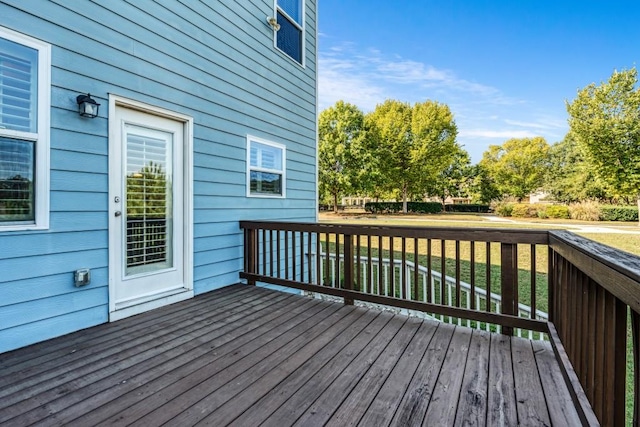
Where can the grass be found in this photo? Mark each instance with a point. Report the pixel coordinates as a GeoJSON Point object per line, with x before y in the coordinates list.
{"type": "Point", "coordinates": [627, 242]}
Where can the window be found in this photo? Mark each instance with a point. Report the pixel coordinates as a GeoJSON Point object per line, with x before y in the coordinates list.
{"type": "Point", "coordinates": [290, 37]}
{"type": "Point", "coordinates": [265, 168]}
{"type": "Point", "coordinates": [24, 131]}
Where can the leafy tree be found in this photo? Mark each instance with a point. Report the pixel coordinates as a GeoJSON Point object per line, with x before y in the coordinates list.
{"type": "Point", "coordinates": [518, 166]}
{"type": "Point", "coordinates": [605, 121]}
{"type": "Point", "coordinates": [571, 178]}
{"type": "Point", "coordinates": [482, 188]}
{"type": "Point", "coordinates": [455, 179]}
{"type": "Point", "coordinates": [341, 137]}
{"type": "Point", "coordinates": [414, 144]}
{"type": "Point", "coordinates": [434, 150]}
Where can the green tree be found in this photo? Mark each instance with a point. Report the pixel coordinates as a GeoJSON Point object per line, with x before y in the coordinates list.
{"type": "Point", "coordinates": [341, 137]}
{"type": "Point", "coordinates": [434, 149]}
{"type": "Point", "coordinates": [518, 166]}
{"type": "Point", "coordinates": [570, 177]}
{"type": "Point", "coordinates": [482, 188]}
{"type": "Point", "coordinates": [414, 144]}
{"type": "Point", "coordinates": [605, 121]}
{"type": "Point", "coordinates": [455, 179]}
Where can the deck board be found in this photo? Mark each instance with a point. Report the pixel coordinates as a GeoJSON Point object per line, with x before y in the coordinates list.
{"type": "Point", "coordinates": [246, 356]}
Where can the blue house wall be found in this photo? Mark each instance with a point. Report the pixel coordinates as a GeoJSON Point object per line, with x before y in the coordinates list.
{"type": "Point", "coordinates": [212, 60]}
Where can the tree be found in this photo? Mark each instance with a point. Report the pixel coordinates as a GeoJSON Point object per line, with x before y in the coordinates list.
{"type": "Point", "coordinates": [518, 166]}
{"type": "Point", "coordinates": [434, 147]}
{"type": "Point", "coordinates": [341, 135]}
{"type": "Point", "coordinates": [570, 177]}
{"type": "Point", "coordinates": [414, 144]}
{"type": "Point", "coordinates": [605, 121]}
{"type": "Point", "coordinates": [455, 179]}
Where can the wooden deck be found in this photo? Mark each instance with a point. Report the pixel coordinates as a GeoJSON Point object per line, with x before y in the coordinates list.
{"type": "Point", "coordinates": [248, 356]}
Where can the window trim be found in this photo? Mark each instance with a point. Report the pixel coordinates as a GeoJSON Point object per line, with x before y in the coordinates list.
{"type": "Point", "coordinates": [250, 168]}
{"type": "Point", "coordinates": [301, 26]}
{"type": "Point", "coordinates": [41, 138]}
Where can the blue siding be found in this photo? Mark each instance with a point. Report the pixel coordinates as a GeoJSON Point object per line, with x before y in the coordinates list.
{"type": "Point", "coordinates": [213, 60]}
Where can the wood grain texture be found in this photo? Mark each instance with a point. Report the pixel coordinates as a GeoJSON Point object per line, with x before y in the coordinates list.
{"type": "Point", "coordinates": [245, 355]}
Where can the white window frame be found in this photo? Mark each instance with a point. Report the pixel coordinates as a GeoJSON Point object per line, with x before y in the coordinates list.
{"type": "Point", "coordinates": [282, 172]}
{"type": "Point", "coordinates": [300, 26]}
{"type": "Point", "coordinates": [41, 137]}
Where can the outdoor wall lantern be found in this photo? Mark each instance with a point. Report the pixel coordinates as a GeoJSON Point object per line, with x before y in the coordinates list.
{"type": "Point", "coordinates": [273, 22]}
{"type": "Point", "coordinates": [87, 106]}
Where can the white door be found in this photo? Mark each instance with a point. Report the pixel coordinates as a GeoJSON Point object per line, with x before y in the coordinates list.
{"type": "Point", "coordinates": [147, 239]}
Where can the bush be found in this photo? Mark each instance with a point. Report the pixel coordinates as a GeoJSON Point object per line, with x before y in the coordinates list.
{"type": "Point", "coordinates": [396, 207]}
{"type": "Point", "coordinates": [503, 208]}
{"type": "Point", "coordinates": [467, 208]}
{"type": "Point", "coordinates": [585, 211]}
{"type": "Point", "coordinates": [555, 211]}
{"type": "Point", "coordinates": [524, 210]}
{"type": "Point", "coordinates": [618, 213]}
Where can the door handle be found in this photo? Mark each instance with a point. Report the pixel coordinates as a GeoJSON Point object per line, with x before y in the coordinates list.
{"type": "Point", "coordinates": [117, 213]}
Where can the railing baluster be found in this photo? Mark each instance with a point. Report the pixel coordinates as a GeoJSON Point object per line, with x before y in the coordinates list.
{"type": "Point", "coordinates": [635, 332]}
{"type": "Point", "coordinates": [488, 276]}
{"type": "Point", "coordinates": [278, 248]}
{"type": "Point", "coordinates": [508, 281]}
{"type": "Point", "coordinates": [336, 274]}
{"type": "Point", "coordinates": [293, 256]}
{"type": "Point", "coordinates": [429, 278]}
{"type": "Point", "coordinates": [443, 269]}
{"type": "Point", "coordinates": [392, 270]}
{"type": "Point", "coordinates": [286, 254]}
{"type": "Point", "coordinates": [369, 265]}
{"type": "Point", "coordinates": [327, 278]}
{"type": "Point", "coordinates": [472, 272]}
{"type": "Point", "coordinates": [380, 266]}
{"type": "Point", "coordinates": [358, 273]}
{"type": "Point", "coordinates": [403, 270]}
{"type": "Point", "coordinates": [348, 266]}
{"type": "Point", "coordinates": [533, 281]}
{"type": "Point", "coordinates": [457, 273]}
{"type": "Point", "coordinates": [416, 270]}
{"type": "Point", "coordinates": [318, 259]}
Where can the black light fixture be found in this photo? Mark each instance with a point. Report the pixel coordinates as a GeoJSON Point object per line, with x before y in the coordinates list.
{"type": "Point", "coordinates": [87, 106]}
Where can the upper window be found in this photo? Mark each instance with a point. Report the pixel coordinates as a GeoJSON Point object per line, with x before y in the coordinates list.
{"type": "Point", "coordinates": [24, 131]}
{"type": "Point", "coordinates": [265, 168]}
{"type": "Point", "coordinates": [290, 37]}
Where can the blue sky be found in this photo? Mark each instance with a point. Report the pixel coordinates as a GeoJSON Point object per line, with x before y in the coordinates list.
{"type": "Point", "coordinates": [504, 67]}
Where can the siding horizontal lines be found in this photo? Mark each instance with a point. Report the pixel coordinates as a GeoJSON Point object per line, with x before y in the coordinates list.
{"type": "Point", "coordinates": [31, 245]}
{"type": "Point", "coordinates": [50, 264]}
{"type": "Point", "coordinates": [78, 201]}
{"type": "Point", "coordinates": [20, 291]}
{"type": "Point", "coordinates": [53, 306]}
{"type": "Point", "coordinates": [202, 64]}
{"type": "Point", "coordinates": [29, 333]}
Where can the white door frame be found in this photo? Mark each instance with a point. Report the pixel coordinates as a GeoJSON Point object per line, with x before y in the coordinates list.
{"type": "Point", "coordinates": [116, 101]}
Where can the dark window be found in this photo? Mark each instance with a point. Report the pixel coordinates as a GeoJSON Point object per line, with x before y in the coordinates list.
{"type": "Point", "coordinates": [289, 38]}
{"type": "Point", "coordinates": [17, 160]}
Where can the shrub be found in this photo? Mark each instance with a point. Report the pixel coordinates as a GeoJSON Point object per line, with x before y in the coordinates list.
{"type": "Point", "coordinates": [556, 211]}
{"type": "Point", "coordinates": [618, 213]}
{"type": "Point", "coordinates": [542, 213]}
{"type": "Point", "coordinates": [503, 208]}
{"type": "Point", "coordinates": [524, 210]}
{"type": "Point", "coordinates": [585, 211]}
{"type": "Point", "coordinates": [396, 207]}
{"type": "Point", "coordinates": [467, 208]}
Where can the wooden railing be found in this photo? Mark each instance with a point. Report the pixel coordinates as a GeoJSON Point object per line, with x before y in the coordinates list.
{"type": "Point", "coordinates": [588, 290]}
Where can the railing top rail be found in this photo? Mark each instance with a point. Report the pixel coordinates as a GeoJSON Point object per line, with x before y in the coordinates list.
{"type": "Point", "coordinates": [615, 270]}
{"type": "Point", "coordinates": [504, 235]}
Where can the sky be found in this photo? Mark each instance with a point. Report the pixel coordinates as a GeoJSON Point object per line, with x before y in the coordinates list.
{"type": "Point", "coordinates": [506, 68]}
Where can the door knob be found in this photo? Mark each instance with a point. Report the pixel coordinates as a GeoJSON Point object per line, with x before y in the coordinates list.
{"type": "Point", "coordinates": [118, 213]}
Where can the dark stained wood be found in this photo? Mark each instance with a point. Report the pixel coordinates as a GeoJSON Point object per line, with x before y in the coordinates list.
{"type": "Point", "coordinates": [444, 401]}
{"type": "Point", "coordinates": [635, 331]}
{"type": "Point", "coordinates": [360, 397]}
{"type": "Point", "coordinates": [472, 407]}
{"type": "Point", "coordinates": [302, 388]}
{"type": "Point", "coordinates": [501, 409]}
{"type": "Point", "coordinates": [348, 266]}
{"type": "Point", "coordinates": [502, 319]}
{"type": "Point", "coordinates": [530, 402]}
{"type": "Point", "coordinates": [413, 407]}
{"type": "Point", "coordinates": [383, 407]}
{"type": "Point", "coordinates": [562, 411]}
{"type": "Point", "coordinates": [509, 282]}
{"type": "Point", "coordinates": [245, 355]}
{"type": "Point", "coordinates": [321, 409]}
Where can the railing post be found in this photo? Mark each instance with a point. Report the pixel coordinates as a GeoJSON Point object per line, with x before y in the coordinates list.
{"type": "Point", "coordinates": [635, 330]}
{"type": "Point", "coordinates": [509, 281]}
{"type": "Point", "coordinates": [250, 252]}
{"type": "Point", "coordinates": [348, 266]}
